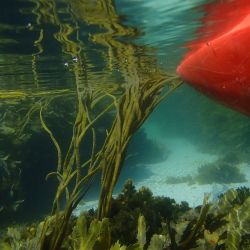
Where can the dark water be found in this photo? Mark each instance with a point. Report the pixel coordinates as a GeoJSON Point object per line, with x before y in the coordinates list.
{"type": "Point", "coordinates": [52, 51]}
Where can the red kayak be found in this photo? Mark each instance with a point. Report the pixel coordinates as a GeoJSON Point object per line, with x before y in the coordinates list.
{"type": "Point", "coordinates": [218, 62]}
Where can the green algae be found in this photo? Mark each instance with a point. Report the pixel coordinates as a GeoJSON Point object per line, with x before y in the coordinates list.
{"type": "Point", "coordinates": [223, 224]}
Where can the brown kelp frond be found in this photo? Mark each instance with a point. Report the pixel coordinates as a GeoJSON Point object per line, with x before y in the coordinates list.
{"type": "Point", "coordinates": [132, 110]}
{"type": "Point", "coordinates": [53, 139]}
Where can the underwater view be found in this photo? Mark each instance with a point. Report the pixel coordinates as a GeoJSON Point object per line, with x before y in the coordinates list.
{"type": "Point", "coordinates": [124, 125]}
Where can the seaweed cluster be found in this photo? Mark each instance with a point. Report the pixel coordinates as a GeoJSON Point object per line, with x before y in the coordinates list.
{"type": "Point", "coordinates": [127, 207]}
{"type": "Point", "coordinates": [78, 158]}
{"type": "Point", "coordinates": [157, 223]}
{"type": "Point", "coordinates": [219, 172]}
{"type": "Point", "coordinates": [224, 170]}
{"type": "Point", "coordinates": [10, 188]}
{"type": "Point", "coordinates": [135, 219]}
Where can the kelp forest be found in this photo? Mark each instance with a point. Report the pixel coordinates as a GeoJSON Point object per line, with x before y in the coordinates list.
{"type": "Point", "coordinates": [88, 125]}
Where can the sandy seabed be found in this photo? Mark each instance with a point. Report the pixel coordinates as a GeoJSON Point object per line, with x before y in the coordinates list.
{"type": "Point", "coordinates": [184, 159]}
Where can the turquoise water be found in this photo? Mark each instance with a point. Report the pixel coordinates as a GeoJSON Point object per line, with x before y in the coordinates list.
{"type": "Point", "coordinates": [51, 52]}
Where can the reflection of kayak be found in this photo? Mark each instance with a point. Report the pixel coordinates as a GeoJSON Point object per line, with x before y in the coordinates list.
{"type": "Point", "coordinates": [218, 63]}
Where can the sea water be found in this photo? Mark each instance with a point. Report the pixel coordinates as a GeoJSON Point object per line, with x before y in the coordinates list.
{"type": "Point", "coordinates": [50, 51]}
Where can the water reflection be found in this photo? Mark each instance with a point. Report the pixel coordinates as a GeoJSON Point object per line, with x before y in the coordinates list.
{"type": "Point", "coordinates": [40, 40]}
{"type": "Point", "coordinates": [74, 73]}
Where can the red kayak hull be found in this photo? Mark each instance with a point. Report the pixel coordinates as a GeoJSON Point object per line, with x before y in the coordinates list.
{"type": "Point", "coordinates": [219, 65]}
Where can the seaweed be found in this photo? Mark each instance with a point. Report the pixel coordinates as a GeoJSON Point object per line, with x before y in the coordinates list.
{"type": "Point", "coordinates": [10, 187]}
{"type": "Point", "coordinates": [224, 170]}
{"type": "Point", "coordinates": [136, 219]}
{"type": "Point", "coordinates": [219, 172]}
{"type": "Point", "coordinates": [130, 102]}
{"type": "Point", "coordinates": [236, 229]}
{"type": "Point", "coordinates": [127, 207]}
{"type": "Point", "coordinates": [223, 224]}
{"type": "Point", "coordinates": [239, 195]}
{"type": "Point", "coordinates": [97, 236]}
